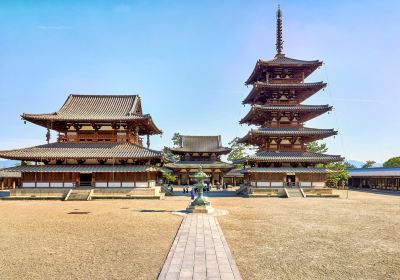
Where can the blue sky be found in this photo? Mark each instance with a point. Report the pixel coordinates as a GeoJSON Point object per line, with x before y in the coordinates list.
{"type": "Point", "coordinates": [188, 60]}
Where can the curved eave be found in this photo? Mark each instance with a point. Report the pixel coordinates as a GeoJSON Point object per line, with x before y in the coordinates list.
{"type": "Point", "coordinates": [222, 151]}
{"type": "Point", "coordinates": [316, 135]}
{"type": "Point", "coordinates": [55, 122]}
{"type": "Point", "coordinates": [287, 170]}
{"type": "Point", "coordinates": [205, 165]}
{"type": "Point", "coordinates": [51, 152]}
{"type": "Point", "coordinates": [295, 159]}
{"type": "Point", "coordinates": [258, 113]}
{"type": "Point", "coordinates": [261, 65]}
{"type": "Point", "coordinates": [305, 90]}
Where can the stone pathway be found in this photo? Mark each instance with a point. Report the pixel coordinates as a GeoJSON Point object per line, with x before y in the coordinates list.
{"type": "Point", "coordinates": [199, 251]}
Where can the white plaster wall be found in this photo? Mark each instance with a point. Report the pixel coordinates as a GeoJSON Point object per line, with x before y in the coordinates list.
{"type": "Point", "coordinates": [128, 184]}
{"type": "Point", "coordinates": [141, 184]}
{"type": "Point", "coordinates": [28, 185]}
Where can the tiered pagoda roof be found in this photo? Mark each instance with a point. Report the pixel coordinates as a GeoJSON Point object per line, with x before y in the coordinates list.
{"type": "Point", "coordinates": [259, 113]}
{"type": "Point", "coordinates": [200, 150]}
{"type": "Point", "coordinates": [262, 66]}
{"type": "Point", "coordinates": [302, 157]}
{"type": "Point", "coordinates": [200, 144]}
{"type": "Point", "coordinates": [276, 97]}
{"type": "Point", "coordinates": [195, 164]}
{"type": "Point", "coordinates": [310, 134]}
{"type": "Point", "coordinates": [97, 109]}
{"type": "Point", "coordinates": [262, 92]}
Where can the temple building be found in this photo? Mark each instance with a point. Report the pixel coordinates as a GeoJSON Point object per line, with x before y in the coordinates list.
{"type": "Point", "coordinates": [200, 150]}
{"type": "Point", "coordinates": [278, 90]}
{"type": "Point", "coordinates": [99, 145]}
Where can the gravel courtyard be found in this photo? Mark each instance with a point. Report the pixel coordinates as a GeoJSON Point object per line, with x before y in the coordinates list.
{"type": "Point", "coordinates": [355, 238]}
{"type": "Point", "coordinates": [117, 239]}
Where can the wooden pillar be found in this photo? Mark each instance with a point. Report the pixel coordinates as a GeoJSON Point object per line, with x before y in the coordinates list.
{"type": "Point", "coordinates": [234, 181]}
{"type": "Point", "coordinates": [93, 179]}
{"type": "Point", "coordinates": [179, 178]}
{"type": "Point", "coordinates": [2, 184]}
{"type": "Point", "coordinates": [13, 184]}
{"type": "Point", "coordinates": [188, 178]}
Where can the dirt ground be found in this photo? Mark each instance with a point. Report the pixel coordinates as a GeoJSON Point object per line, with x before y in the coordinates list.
{"type": "Point", "coordinates": [117, 239]}
{"type": "Point", "coordinates": [270, 238]}
{"type": "Point", "coordinates": [315, 238]}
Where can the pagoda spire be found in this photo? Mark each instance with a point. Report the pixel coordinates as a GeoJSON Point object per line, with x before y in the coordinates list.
{"type": "Point", "coordinates": [279, 39]}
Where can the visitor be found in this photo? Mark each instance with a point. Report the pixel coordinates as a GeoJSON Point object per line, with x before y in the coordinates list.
{"type": "Point", "coordinates": [192, 192]}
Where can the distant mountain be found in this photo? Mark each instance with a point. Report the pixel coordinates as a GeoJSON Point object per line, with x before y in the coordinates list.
{"type": "Point", "coordinates": [359, 164]}
{"type": "Point", "coordinates": [8, 163]}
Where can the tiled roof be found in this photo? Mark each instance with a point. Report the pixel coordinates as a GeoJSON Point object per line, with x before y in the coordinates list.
{"type": "Point", "coordinates": [82, 151]}
{"type": "Point", "coordinates": [304, 90]}
{"type": "Point", "coordinates": [96, 108]}
{"type": "Point", "coordinates": [310, 110]}
{"type": "Point", "coordinates": [295, 108]}
{"type": "Point", "coordinates": [84, 168]}
{"type": "Point", "coordinates": [237, 172]}
{"type": "Point", "coordinates": [206, 144]}
{"type": "Point", "coordinates": [9, 174]}
{"type": "Point", "coordinates": [283, 61]}
{"type": "Point", "coordinates": [204, 164]}
{"type": "Point", "coordinates": [302, 131]}
{"type": "Point", "coordinates": [290, 86]}
{"type": "Point", "coordinates": [292, 157]}
{"type": "Point", "coordinates": [375, 172]}
{"type": "Point", "coordinates": [286, 170]}
{"type": "Point", "coordinates": [292, 131]}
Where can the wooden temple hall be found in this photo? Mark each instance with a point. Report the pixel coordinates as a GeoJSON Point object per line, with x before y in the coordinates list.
{"type": "Point", "coordinates": [200, 150]}
{"type": "Point", "coordinates": [279, 88]}
{"type": "Point", "coordinates": [99, 144]}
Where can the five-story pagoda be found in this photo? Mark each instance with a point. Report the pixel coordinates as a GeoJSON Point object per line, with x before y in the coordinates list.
{"type": "Point", "coordinates": [278, 91]}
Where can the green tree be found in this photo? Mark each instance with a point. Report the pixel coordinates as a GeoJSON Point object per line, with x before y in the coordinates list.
{"type": "Point", "coordinates": [369, 164]}
{"type": "Point", "coordinates": [316, 147]}
{"type": "Point", "coordinates": [340, 175]}
{"type": "Point", "coordinates": [238, 150]}
{"type": "Point", "coordinates": [176, 138]}
{"type": "Point", "coordinates": [392, 162]}
{"type": "Point", "coordinates": [169, 178]}
{"type": "Point", "coordinates": [167, 151]}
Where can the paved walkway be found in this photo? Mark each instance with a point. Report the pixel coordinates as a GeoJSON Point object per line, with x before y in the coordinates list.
{"type": "Point", "coordinates": [199, 251]}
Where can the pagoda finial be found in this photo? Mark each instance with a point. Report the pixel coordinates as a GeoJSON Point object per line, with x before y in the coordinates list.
{"type": "Point", "coordinates": [279, 39]}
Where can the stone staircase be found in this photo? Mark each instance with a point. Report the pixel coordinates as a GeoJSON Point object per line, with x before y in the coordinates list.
{"type": "Point", "coordinates": [79, 194]}
{"type": "Point", "coordinates": [165, 190]}
{"type": "Point", "coordinates": [294, 192]}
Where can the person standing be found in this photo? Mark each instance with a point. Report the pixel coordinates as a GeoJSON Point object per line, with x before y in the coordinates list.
{"type": "Point", "coordinates": [192, 193]}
